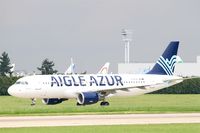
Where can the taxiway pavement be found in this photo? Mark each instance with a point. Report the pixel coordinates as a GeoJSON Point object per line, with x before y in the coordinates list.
{"type": "Point", "coordinates": [80, 120]}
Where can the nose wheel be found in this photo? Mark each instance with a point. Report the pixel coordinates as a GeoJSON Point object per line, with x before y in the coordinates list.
{"type": "Point", "coordinates": [104, 103]}
{"type": "Point", "coordinates": [33, 101]}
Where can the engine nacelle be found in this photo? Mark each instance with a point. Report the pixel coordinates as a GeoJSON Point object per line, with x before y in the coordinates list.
{"type": "Point", "coordinates": [86, 98]}
{"type": "Point", "coordinates": [52, 101]}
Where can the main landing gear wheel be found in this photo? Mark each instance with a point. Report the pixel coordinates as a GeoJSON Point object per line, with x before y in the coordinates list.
{"type": "Point", "coordinates": [104, 104]}
{"type": "Point", "coordinates": [78, 104]}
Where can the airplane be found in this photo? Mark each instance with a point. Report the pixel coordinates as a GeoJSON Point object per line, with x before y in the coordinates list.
{"type": "Point", "coordinates": [70, 69]}
{"type": "Point", "coordinates": [104, 69]}
{"type": "Point", "coordinates": [13, 68]}
{"type": "Point", "coordinates": [92, 88]}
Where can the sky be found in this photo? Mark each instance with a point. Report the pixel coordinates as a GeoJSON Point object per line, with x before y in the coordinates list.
{"type": "Point", "coordinates": [89, 31]}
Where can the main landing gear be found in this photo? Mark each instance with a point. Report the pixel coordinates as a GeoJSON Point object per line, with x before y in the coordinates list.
{"type": "Point", "coordinates": [104, 103]}
{"type": "Point", "coordinates": [78, 104]}
{"type": "Point", "coordinates": [102, 98]}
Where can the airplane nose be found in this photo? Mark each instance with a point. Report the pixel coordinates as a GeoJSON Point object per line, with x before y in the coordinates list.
{"type": "Point", "coordinates": [11, 90]}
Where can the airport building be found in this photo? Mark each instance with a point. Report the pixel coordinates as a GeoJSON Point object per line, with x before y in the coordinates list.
{"type": "Point", "coordinates": [183, 69]}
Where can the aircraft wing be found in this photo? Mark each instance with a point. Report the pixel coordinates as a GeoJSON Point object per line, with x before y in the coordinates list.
{"type": "Point", "coordinates": [182, 78]}
{"type": "Point", "coordinates": [125, 88]}
{"type": "Point", "coordinates": [113, 90]}
{"type": "Point", "coordinates": [192, 77]}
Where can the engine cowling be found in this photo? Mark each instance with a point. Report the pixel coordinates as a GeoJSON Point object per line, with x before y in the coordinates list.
{"type": "Point", "coordinates": [86, 98]}
{"type": "Point", "coordinates": [52, 101]}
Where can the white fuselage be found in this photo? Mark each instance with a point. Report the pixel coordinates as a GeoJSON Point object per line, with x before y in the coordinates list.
{"type": "Point", "coordinates": [69, 86]}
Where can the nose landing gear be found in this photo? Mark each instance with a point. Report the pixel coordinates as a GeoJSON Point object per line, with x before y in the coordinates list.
{"type": "Point", "coordinates": [33, 101]}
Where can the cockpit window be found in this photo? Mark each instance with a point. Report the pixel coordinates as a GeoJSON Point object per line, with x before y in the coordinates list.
{"type": "Point", "coordinates": [22, 82]}
{"type": "Point", "coordinates": [18, 82]}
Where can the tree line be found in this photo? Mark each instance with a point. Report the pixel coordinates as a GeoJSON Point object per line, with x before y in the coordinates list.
{"type": "Point", "coordinates": [5, 66]}
{"type": "Point", "coordinates": [191, 86]}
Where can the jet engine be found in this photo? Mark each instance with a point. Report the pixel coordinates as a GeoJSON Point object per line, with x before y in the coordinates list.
{"type": "Point", "coordinates": [52, 101]}
{"type": "Point", "coordinates": [86, 98]}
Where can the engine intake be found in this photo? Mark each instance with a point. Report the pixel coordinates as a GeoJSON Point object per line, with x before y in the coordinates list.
{"type": "Point", "coordinates": [86, 98]}
{"type": "Point", "coordinates": [52, 101]}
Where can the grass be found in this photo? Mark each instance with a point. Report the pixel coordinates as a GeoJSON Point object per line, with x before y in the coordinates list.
{"type": "Point", "coordinates": [141, 104]}
{"type": "Point", "coordinates": [165, 128]}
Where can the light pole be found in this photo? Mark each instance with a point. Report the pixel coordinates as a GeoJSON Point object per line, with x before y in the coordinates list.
{"type": "Point", "coordinates": [126, 34]}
